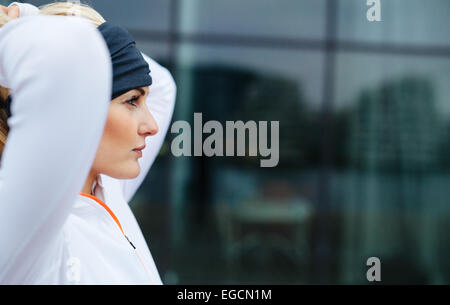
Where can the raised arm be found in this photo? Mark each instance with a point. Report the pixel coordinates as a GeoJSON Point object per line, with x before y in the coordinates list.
{"type": "Point", "coordinates": [59, 73]}
{"type": "Point", "coordinates": [161, 102]}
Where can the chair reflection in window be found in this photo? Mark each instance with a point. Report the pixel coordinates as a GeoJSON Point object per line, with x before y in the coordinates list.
{"type": "Point", "coordinates": [266, 232]}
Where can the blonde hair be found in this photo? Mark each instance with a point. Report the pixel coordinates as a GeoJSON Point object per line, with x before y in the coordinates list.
{"type": "Point", "coordinates": [69, 9]}
{"type": "Point", "coordinates": [56, 8]}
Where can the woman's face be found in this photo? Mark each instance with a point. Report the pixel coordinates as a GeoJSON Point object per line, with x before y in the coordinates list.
{"type": "Point", "coordinates": [128, 123]}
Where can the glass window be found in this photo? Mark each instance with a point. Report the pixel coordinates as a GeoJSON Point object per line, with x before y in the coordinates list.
{"type": "Point", "coordinates": [137, 14]}
{"type": "Point", "coordinates": [403, 21]}
{"type": "Point", "coordinates": [391, 177]}
{"type": "Point", "coordinates": [302, 68]}
{"type": "Point", "coordinates": [281, 18]}
{"type": "Point", "coordinates": [157, 50]}
{"type": "Point", "coordinates": [235, 212]}
{"type": "Point", "coordinates": [357, 72]}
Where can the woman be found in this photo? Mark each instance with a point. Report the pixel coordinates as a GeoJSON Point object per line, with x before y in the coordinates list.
{"type": "Point", "coordinates": [95, 238]}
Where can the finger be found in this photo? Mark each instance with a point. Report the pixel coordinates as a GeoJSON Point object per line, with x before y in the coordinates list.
{"type": "Point", "coordinates": [4, 9]}
{"type": "Point", "coordinates": [13, 11]}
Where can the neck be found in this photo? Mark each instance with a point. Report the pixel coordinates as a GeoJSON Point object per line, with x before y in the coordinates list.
{"type": "Point", "coordinates": [89, 182]}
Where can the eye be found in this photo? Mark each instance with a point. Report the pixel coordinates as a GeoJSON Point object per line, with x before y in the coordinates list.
{"type": "Point", "coordinates": [132, 101]}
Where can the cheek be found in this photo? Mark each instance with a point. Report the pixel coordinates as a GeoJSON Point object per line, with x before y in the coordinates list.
{"type": "Point", "coordinates": [118, 136]}
{"type": "Point", "coordinates": [114, 155]}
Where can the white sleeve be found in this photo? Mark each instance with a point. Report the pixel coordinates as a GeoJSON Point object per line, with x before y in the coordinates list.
{"type": "Point", "coordinates": [59, 72]}
{"type": "Point", "coordinates": [161, 103]}
{"type": "Point", "coordinates": [26, 9]}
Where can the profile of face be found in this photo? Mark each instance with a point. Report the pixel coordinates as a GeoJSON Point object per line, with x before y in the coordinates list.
{"type": "Point", "coordinates": [128, 124]}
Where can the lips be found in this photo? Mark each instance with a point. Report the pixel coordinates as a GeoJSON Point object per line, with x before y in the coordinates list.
{"type": "Point", "coordinates": [140, 148]}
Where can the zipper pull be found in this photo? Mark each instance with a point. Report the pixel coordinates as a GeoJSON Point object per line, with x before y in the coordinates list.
{"type": "Point", "coordinates": [130, 242]}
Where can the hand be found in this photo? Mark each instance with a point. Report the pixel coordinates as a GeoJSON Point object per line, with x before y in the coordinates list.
{"type": "Point", "coordinates": [12, 11]}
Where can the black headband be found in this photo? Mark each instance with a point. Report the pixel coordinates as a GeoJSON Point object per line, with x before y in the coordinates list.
{"type": "Point", "coordinates": [130, 70]}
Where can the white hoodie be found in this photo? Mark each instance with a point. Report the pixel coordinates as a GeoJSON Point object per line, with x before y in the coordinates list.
{"type": "Point", "coordinates": [49, 232]}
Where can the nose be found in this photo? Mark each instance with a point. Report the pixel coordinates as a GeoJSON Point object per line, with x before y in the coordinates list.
{"type": "Point", "coordinates": [148, 127]}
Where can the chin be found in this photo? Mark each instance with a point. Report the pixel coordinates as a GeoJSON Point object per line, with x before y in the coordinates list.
{"type": "Point", "coordinates": [133, 173]}
{"type": "Point", "coordinates": [128, 171]}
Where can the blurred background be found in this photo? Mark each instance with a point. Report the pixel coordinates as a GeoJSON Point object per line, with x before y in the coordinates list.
{"type": "Point", "coordinates": [364, 111]}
